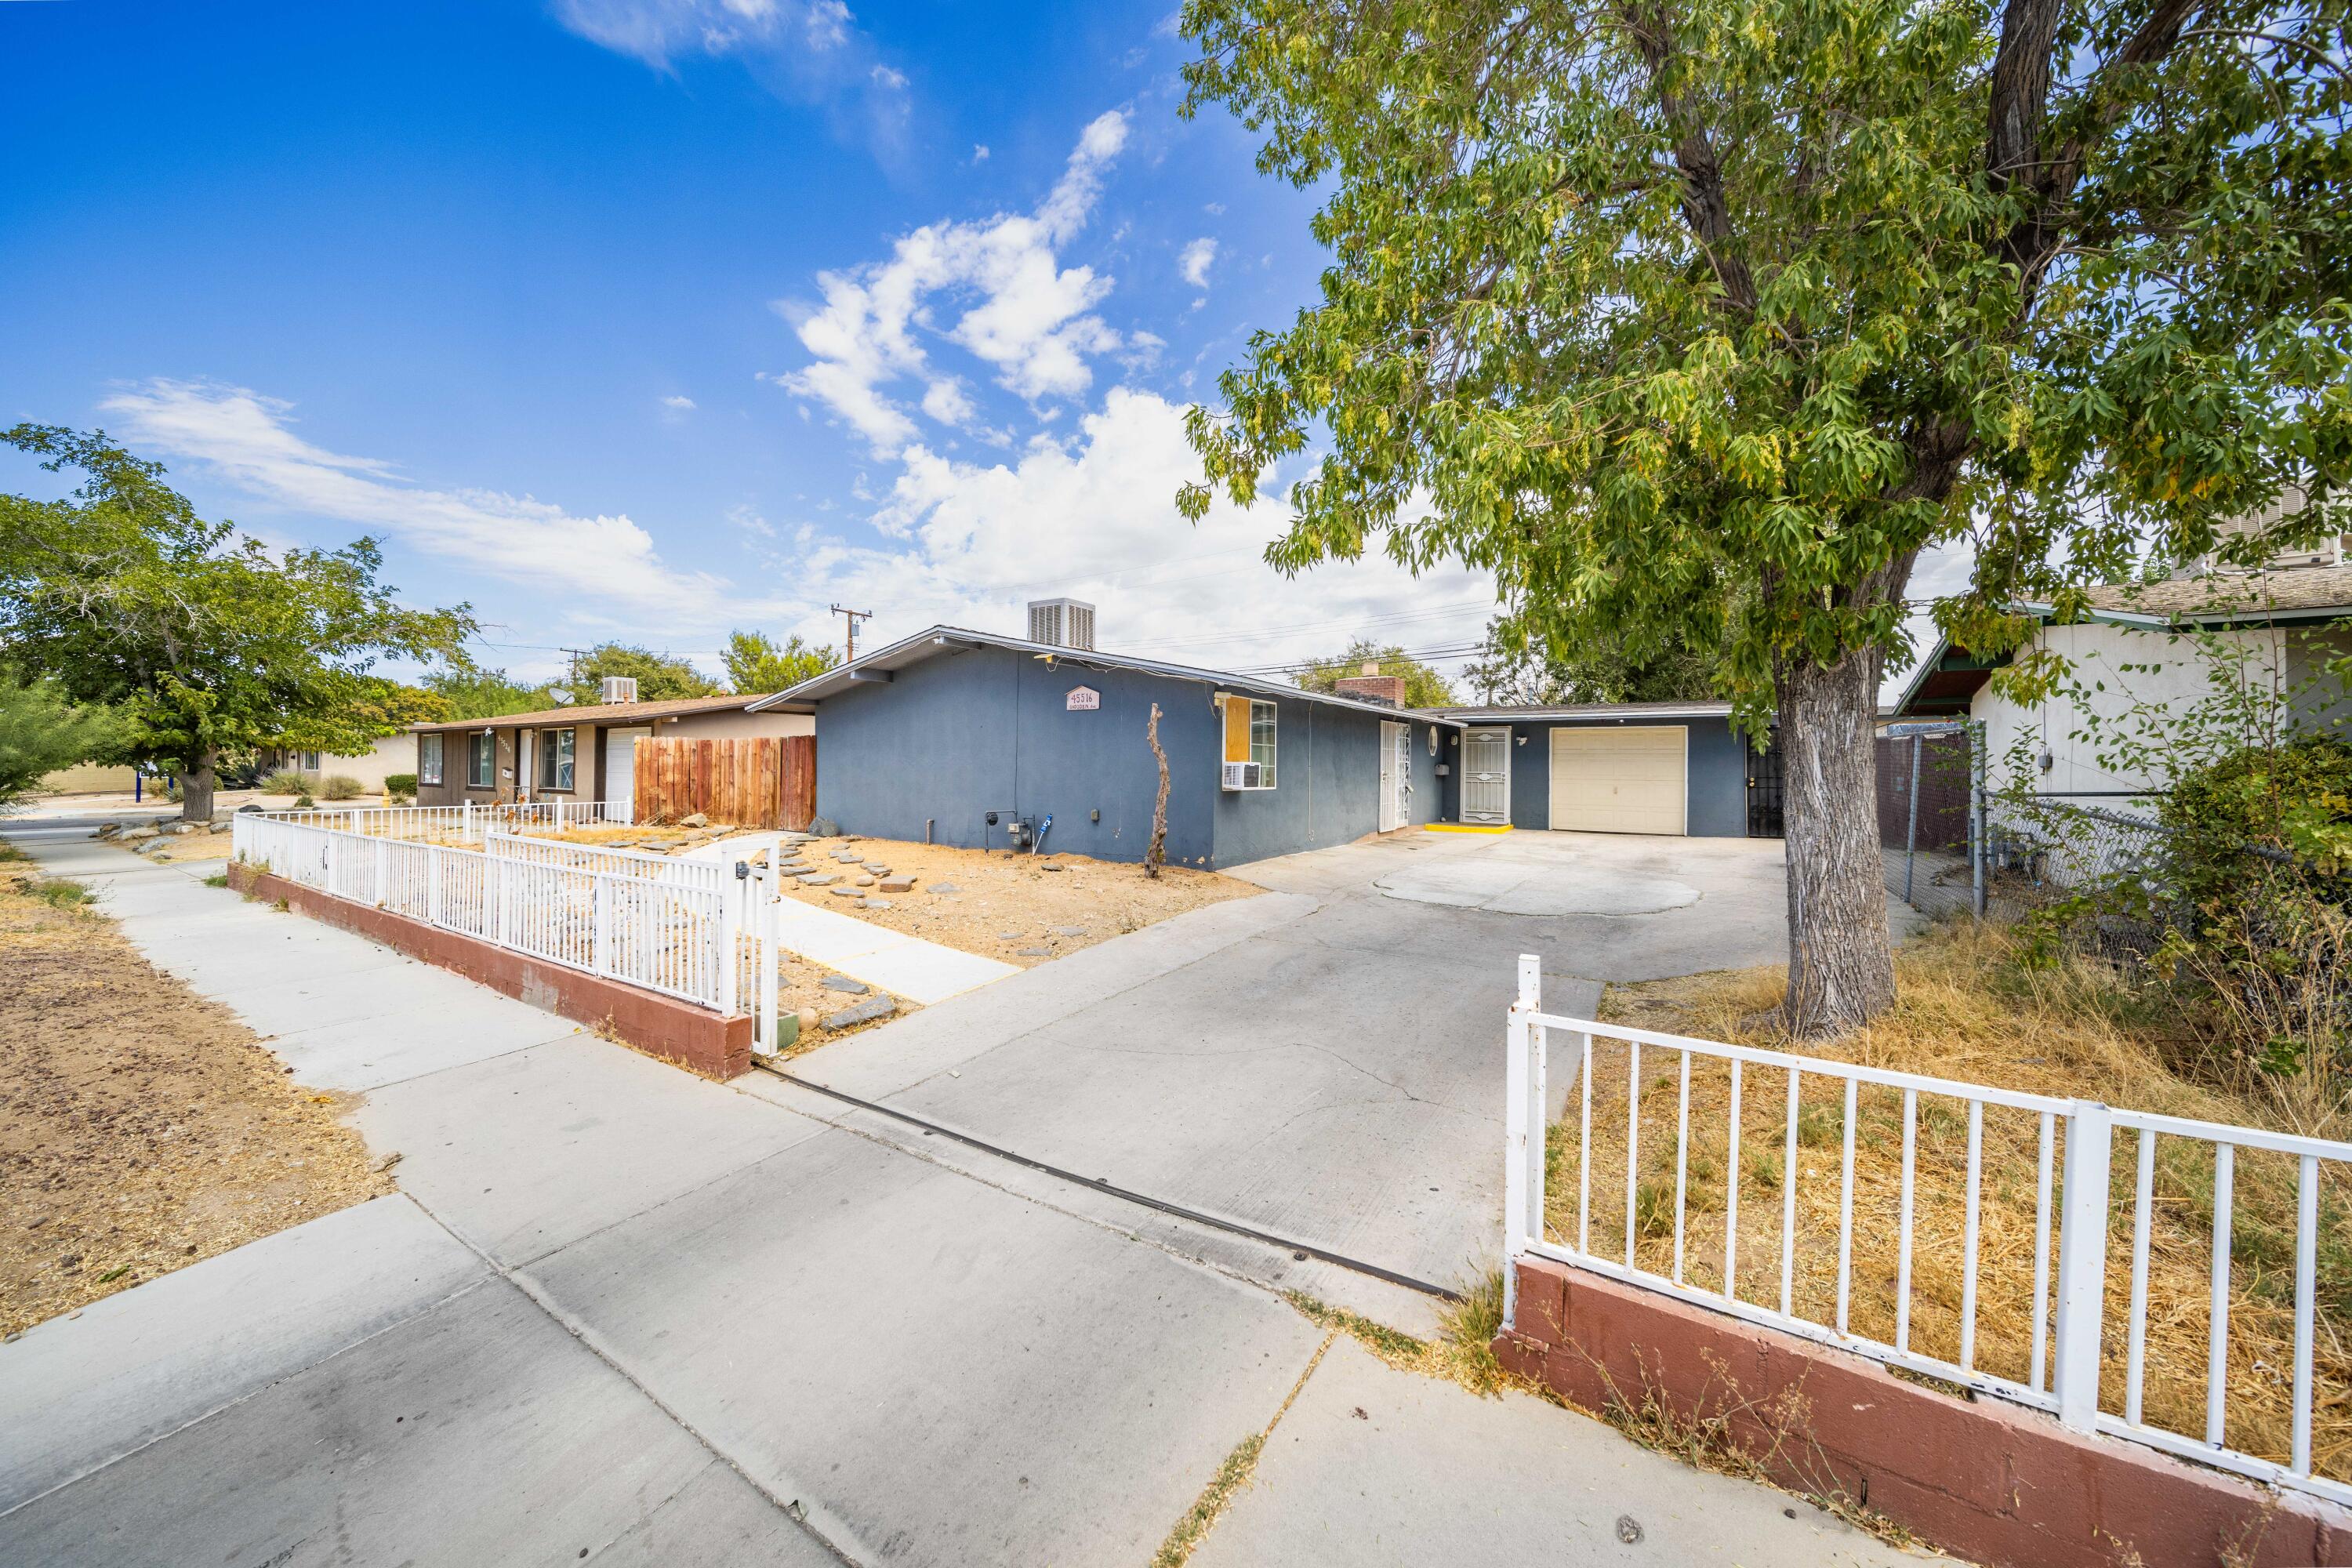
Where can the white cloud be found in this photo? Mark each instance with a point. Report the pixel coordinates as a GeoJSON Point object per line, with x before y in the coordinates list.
{"type": "Point", "coordinates": [247, 439]}
{"type": "Point", "coordinates": [1094, 516]}
{"type": "Point", "coordinates": [679, 401]}
{"type": "Point", "coordinates": [980, 152]}
{"type": "Point", "coordinates": [1194, 262]}
{"type": "Point", "coordinates": [802, 50]}
{"type": "Point", "coordinates": [1028, 317]}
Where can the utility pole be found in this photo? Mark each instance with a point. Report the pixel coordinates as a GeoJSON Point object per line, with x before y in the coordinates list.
{"type": "Point", "coordinates": [852, 618]}
{"type": "Point", "coordinates": [577, 654]}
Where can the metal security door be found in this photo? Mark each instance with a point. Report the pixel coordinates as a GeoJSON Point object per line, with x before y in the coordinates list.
{"type": "Point", "coordinates": [1487, 777]}
{"type": "Point", "coordinates": [1391, 793]}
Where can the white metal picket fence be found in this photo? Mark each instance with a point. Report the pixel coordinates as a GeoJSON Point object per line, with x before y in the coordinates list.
{"type": "Point", "coordinates": [2073, 1353]}
{"type": "Point", "coordinates": [662, 926]}
{"type": "Point", "coordinates": [465, 821]}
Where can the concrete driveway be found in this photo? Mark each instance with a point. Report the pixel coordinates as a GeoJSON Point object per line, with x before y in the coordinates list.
{"type": "Point", "coordinates": [1324, 1062]}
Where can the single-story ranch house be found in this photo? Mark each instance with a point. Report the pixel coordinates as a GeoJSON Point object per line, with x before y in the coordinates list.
{"type": "Point", "coordinates": [971, 739]}
{"type": "Point", "coordinates": [583, 752]}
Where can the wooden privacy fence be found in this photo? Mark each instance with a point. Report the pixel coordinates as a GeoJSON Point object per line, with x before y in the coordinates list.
{"type": "Point", "coordinates": [752, 781]}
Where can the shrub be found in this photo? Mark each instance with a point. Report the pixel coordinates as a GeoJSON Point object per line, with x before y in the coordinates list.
{"type": "Point", "coordinates": [2296, 798]}
{"type": "Point", "coordinates": [304, 801]}
{"type": "Point", "coordinates": [400, 783]}
{"type": "Point", "coordinates": [285, 780]}
{"type": "Point", "coordinates": [342, 786]}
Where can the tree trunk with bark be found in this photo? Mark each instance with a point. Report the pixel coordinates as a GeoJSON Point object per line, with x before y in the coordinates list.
{"type": "Point", "coordinates": [1841, 965]}
{"type": "Point", "coordinates": [1157, 855]}
{"type": "Point", "coordinates": [196, 787]}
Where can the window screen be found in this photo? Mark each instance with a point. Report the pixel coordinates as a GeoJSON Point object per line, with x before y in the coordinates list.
{"type": "Point", "coordinates": [428, 759]}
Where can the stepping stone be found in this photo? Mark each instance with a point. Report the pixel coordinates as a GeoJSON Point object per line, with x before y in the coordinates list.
{"type": "Point", "coordinates": [846, 893]}
{"type": "Point", "coordinates": [942, 886]}
{"type": "Point", "coordinates": [1069, 931]}
{"type": "Point", "coordinates": [877, 903]}
{"type": "Point", "coordinates": [865, 1012]}
{"type": "Point", "coordinates": [898, 884]}
{"type": "Point", "coordinates": [1037, 952]}
{"type": "Point", "coordinates": [844, 982]}
{"type": "Point", "coordinates": [847, 857]}
{"type": "Point", "coordinates": [865, 881]}
{"type": "Point", "coordinates": [878, 867]}
{"type": "Point", "coordinates": [1010, 935]}
{"type": "Point", "coordinates": [822, 879]}
{"type": "Point", "coordinates": [1049, 866]}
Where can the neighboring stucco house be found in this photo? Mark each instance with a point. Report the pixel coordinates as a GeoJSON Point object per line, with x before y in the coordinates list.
{"type": "Point", "coordinates": [583, 753]}
{"type": "Point", "coordinates": [2136, 650]}
{"type": "Point", "coordinates": [392, 754]}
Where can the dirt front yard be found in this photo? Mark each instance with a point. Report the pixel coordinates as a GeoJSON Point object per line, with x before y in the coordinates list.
{"type": "Point", "coordinates": [1021, 909]}
{"type": "Point", "coordinates": [140, 1127]}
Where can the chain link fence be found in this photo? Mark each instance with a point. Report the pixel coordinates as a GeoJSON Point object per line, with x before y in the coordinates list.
{"type": "Point", "coordinates": [1929, 809]}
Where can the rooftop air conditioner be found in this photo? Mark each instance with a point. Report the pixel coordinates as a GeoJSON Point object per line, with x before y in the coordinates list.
{"type": "Point", "coordinates": [618, 689]}
{"type": "Point", "coordinates": [1062, 623]}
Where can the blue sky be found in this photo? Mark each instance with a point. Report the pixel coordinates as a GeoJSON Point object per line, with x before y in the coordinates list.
{"type": "Point", "coordinates": [650, 319]}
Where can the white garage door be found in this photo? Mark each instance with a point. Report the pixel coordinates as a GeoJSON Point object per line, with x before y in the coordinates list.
{"type": "Point", "coordinates": [1619, 779]}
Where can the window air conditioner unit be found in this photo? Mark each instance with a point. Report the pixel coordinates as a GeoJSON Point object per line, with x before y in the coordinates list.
{"type": "Point", "coordinates": [1241, 775]}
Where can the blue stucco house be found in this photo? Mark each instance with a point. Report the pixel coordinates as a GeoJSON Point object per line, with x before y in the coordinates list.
{"type": "Point", "coordinates": [981, 740]}
{"type": "Point", "coordinates": [974, 740]}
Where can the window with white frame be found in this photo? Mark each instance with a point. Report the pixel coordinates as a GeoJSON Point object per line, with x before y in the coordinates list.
{"type": "Point", "coordinates": [482, 762]}
{"type": "Point", "coordinates": [428, 759]}
{"type": "Point", "coordinates": [555, 759]}
{"type": "Point", "coordinates": [1249, 750]}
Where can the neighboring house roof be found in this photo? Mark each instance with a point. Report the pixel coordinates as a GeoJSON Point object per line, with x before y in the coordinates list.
{"type": "Point", "coordinates": [1949, 677]}
{"type": "Point", "coordinates": [1507, 712]}
{"type": "Point", "coordinates": [2292, 593]}
{"type": "Point", "coordinates": [938, 641]}
{"type": "Point", "coordinates": [604, 712]}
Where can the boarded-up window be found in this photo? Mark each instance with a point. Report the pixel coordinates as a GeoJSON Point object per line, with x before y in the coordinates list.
{"type": "Point", "coordinates": [1249, 743]}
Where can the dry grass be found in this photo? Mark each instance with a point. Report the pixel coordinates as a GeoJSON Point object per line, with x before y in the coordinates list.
{"type": "Point", "coordinates": [1231, 1475]}
{"type": "Point", "coordinates": [141, 1128]}
{"type": "Point", "coordinates": [1968, 1011]}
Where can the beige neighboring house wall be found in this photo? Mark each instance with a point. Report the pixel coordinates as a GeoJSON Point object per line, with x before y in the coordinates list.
{"type": "Point", "coordinates": [392, 754]}
{"type": "Point", "coordinates": [718, 726]}
{"type": "Point", "coordinates": [2170, 674]}
{"type": "Point", "coordinates": [88, 778]}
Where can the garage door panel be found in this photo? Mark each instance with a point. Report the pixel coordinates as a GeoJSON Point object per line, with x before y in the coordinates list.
{"type": "Point", "coordinates": [1619, 780]}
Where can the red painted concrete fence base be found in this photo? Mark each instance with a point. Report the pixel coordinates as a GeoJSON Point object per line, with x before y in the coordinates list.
{"type": "Point", "coordinates": [693, 1037]}
{"type": "Point", "coordinates": [1988, 1481]}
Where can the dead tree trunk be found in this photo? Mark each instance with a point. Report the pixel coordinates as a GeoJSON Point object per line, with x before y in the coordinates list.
{"type": "Point", "coordinates": [1157, 855]}
{"type": "Point", "coordinates": [1840, 966]}
{"type": "Point", "coordinates": [196, 787]}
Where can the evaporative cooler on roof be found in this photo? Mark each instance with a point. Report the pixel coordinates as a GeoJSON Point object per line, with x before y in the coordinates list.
{"type": "Point", "coordinates": [1062, 623]}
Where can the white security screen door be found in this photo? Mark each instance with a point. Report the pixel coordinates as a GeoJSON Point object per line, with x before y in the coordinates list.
{"type": "Point", "coordinates": [621, 774]}
{"type": "Point", "coordinates": [1487, 777]}
{"type": "Point", "coordinates": [1396, 772]}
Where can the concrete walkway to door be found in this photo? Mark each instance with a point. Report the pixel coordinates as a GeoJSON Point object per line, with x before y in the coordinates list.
{"type": "Point", "coordinates": [620, 1315]}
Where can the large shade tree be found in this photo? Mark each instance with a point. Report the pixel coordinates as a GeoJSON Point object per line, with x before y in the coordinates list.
{"type": "Point", "coordinates": [204, 641]}
{"type": "Point", "coordinates": [1697, 320]}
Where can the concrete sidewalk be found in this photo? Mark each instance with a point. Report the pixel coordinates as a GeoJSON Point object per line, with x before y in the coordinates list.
{"type": "Point", "coordinates": [623, 1315]}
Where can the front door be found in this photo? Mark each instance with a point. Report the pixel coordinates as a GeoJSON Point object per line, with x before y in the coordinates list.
{"type": "Point", "coordinates": [621, 774]}
{"type": "Point", "coordinates": [1487, 777]}
{"type": "Point", "coordinates": [1396, 769]}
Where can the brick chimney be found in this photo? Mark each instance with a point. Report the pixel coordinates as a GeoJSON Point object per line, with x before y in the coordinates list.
{"type": "Point", "coordinates": [1384, 689]}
